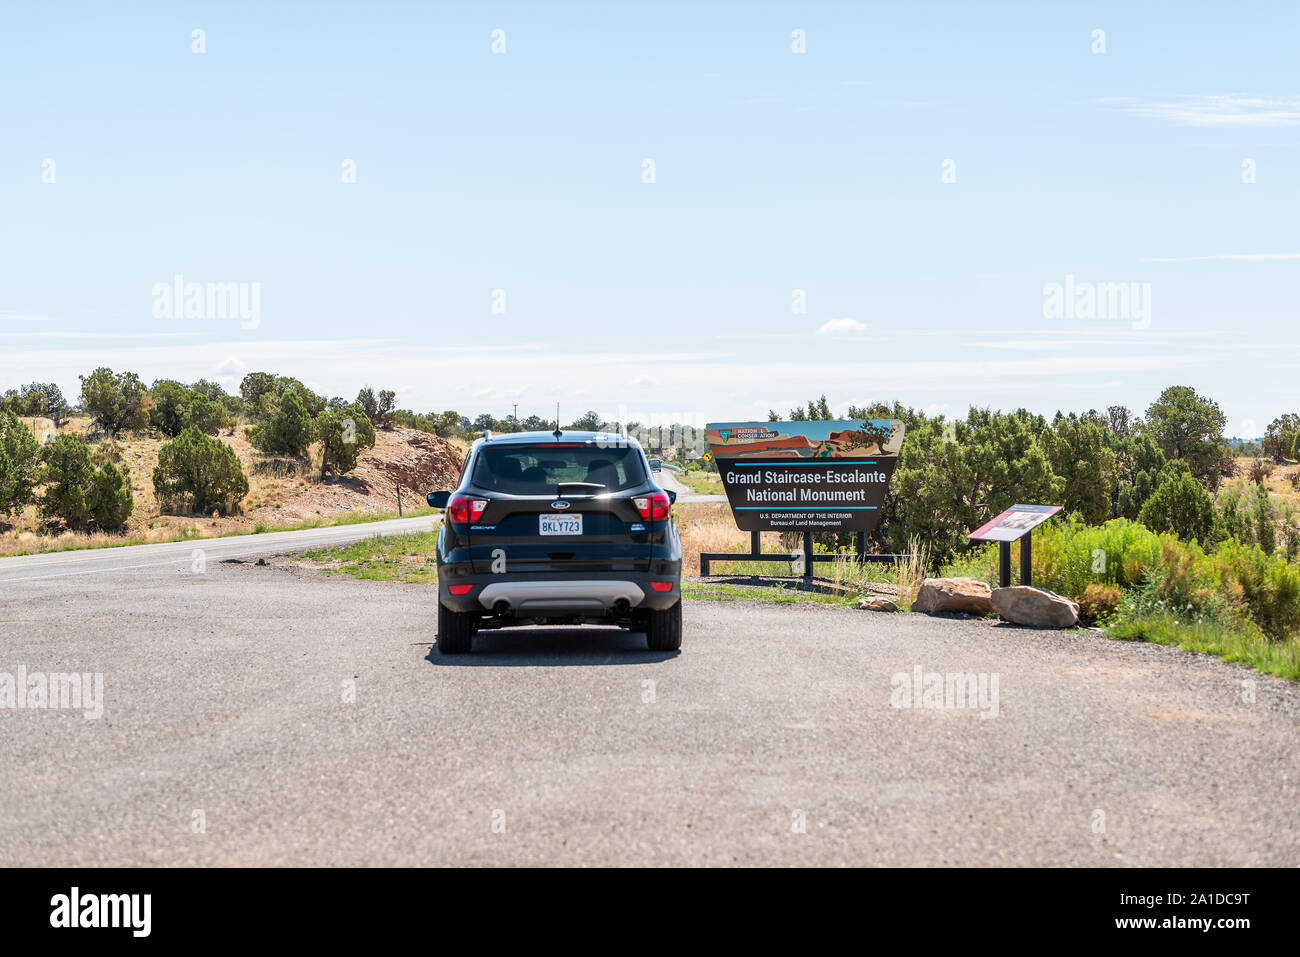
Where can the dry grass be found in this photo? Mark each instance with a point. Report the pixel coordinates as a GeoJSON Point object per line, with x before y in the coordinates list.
{"type": "Point", "coordinates": [912, 571]}
{"type": "Point", "coordinates": [874, 578]}
{"type": "Point", "coordinates": [707, 527]}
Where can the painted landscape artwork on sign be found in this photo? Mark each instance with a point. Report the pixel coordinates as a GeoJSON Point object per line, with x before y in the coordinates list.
{"type": "Point", "coordinates": [832, 438]}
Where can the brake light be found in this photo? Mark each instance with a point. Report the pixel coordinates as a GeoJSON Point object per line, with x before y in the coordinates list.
{"type": "Point", "coordinates": [461, 509]}
{"type": "Point", "coordinates": [653, 508]}
{"type": "Point", "coordinates": [459, 589]}
{"type": "Point", "coordinates": [662, 586]}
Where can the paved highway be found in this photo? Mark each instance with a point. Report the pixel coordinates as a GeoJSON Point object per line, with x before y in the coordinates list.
{"type": "Point", "coordinates": [56, 566]}
{"type": "Point", "coordinates": [667, 479]}
{"type": "Point", "coordinates": [270, 715]}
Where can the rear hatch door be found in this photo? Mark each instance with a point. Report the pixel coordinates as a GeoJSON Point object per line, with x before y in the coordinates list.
{"type": "Point", "coordinates": [564, 507]}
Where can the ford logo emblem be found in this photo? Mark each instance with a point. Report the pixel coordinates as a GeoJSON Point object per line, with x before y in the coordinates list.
{"type": "Point", "coordinates": [560, 503]}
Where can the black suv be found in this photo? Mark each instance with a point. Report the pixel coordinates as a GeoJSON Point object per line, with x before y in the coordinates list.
{"type": "Point", "coordinates": [557, 528]}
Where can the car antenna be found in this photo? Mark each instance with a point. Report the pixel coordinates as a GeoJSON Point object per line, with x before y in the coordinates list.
{"type": "Point", "coordinates": [557, 433]}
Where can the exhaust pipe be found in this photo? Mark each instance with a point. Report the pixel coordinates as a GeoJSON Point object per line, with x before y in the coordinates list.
{"type": "Point", "coordinates": [622, 606]}
{"type": "Point", "coordinates": [501, 608]}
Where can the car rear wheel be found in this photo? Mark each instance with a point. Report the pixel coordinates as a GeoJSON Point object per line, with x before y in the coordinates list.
{"type": "Point", "coordinates": [455, 631]}
{"type": "Point", "coordinates": [663, 631]}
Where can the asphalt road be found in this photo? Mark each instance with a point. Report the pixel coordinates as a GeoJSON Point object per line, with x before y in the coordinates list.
{"type": "Point", "coordinates": [269, 715]}
{"type": "Point", "coordinates": [667, 479]}
{"type": "Point", "coordinates": [52, 566]}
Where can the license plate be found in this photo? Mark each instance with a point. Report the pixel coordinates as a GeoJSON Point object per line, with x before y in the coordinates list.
{"type": "Point", "coordinates": [554, 524]}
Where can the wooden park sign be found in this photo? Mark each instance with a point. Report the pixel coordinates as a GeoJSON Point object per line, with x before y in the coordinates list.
{"type": "Point", "coordinates": [811, 476]}
{"type": "Point", "coordinates": [828, 476]}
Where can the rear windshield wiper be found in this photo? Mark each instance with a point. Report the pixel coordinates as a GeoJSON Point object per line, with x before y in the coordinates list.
{"type": "Point", "coordinates": [579, 487]}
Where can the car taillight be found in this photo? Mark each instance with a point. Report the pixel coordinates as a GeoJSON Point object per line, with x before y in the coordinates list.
{"type": "Point", "coordinates": [461, 509]}
{"type": "Point", "coordinates": [459, 589]}
{"type": "Point", "coordinates": [662, 586]}
{"type": "Point", "coordinates": [654, 507]}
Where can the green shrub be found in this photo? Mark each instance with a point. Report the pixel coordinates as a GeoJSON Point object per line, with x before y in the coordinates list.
{"type": "Point", "coordinates": [41, 399]}
{"type": "Point", "coordinates": [344, 434]}
{"type": "Point", "coordinates": [1099, 601]}
{"type": "Point", "coordinates": [20, 464]}
{"type": "Point", "coordinates": [1267, 585]}
{"type": "Point", "coordinates": [980, 563]}
{"type": "Point", "coordinates": [202, 470]}
{"type": "Point", "coordinates": [1078, 453]}
{"type": "Point", "coordinates": [117, 402]}
{"type": "Point", "coordinates": [176, 407]}
{"type": "Point", "coordinates": [287, 431]}
{"type": "Point", "coordinates": [1180, 505]}
{"type": "Point", "coordinates": [953, 477]}
{"type": "Point", "coordinates": [110, 499]}
{"type": "Point", "coordinates": [1265, 523]}
{"type": "Point", "coordinates": [67, 475]}
{"type": "Point", "coordinates": [1159, 574]}
{"type": "Point", "coordinates": [1189, 427]}
{"type": "Point", "coordinates": [80, 493]}
{"type": "Point", "coordinates": [1068, 556]}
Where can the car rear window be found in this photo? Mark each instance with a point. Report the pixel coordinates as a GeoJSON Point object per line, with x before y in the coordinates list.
{"type": "Point", "coordinates": [540, 469]}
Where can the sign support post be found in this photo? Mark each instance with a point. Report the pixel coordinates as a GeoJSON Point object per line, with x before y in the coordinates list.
{"type": "Point", "coordinates": [1026, 559]}
{"type": "Point", "coordinates": [1004, 564]}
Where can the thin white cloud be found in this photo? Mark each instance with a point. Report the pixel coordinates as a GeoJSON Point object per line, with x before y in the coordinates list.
{"type": "Point", "coordinates": [1232, 257]}
{"type": "Point", "coordinates": [24, 317]}
{"type": "Point", "coordinates": [97, 335]}
{"type": "Point", "coordinates": [1224, 109]}
{"type": "Point", "coordinates": [1029, 345]}
{"type": "Point", "coordinates": [1109, 333]}
{"type": "Point", "coordinates": [845, 326]}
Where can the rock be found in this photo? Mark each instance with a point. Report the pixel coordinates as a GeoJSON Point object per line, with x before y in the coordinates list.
{"type": "Point", "coordinates": [876, 603]}
{"type": "Point", "coordinates": [1035, 606]}
{"type": "Point", "coordinates": [969, 595]}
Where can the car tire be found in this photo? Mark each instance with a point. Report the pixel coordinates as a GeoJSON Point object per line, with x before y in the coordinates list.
{"type": "Point", "coordinates": [455, 631]}
{"type": "Point", "coordinates": [663, 631]}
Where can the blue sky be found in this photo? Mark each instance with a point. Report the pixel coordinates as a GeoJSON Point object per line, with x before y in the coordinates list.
{"type": "Point", "coordinates": [775, 171]}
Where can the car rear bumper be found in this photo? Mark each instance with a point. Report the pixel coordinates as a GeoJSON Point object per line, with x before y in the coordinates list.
{"type": "Point", "coordinates": [547, 594]}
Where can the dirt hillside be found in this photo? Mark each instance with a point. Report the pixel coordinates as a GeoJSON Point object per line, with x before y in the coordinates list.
{"type": "Point", "coordinates": [280, 493]}
{"type": "Point", "coordinates": [417, 462]}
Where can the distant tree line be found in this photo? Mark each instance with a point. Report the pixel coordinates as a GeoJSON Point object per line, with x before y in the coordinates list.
{"type": "Point", "coordinates": [1162, 469]}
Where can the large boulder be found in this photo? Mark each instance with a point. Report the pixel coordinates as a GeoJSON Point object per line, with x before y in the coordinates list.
{"type": "Point", "coordinates": [969, 595]}
{"type": "Point", "coordinates": [1035, 606]}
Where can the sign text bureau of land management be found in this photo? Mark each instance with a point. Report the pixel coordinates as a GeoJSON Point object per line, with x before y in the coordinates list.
{"type": "Point", "coordinates": [828, 476]}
